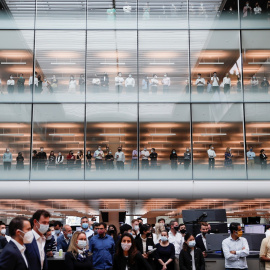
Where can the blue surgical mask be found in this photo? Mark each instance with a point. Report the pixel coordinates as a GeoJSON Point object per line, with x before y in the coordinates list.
{"type": "Point", "coordinates": [85, 225]}
{"type": "Point", "coordinates": [192, 243]}
{"type": "Point", "coordinates": [69, 235]}
{"type": "Point", "coordinates": [164, 238]}
{"type": "Point", "coordinates": [56, 231]}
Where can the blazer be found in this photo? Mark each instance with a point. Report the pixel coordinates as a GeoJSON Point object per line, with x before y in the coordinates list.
{"type": "Point", "coordinates": [62, 243]}
{"type": "Point", "coordinates": [33, 257]}
{"type": "Point", "coordinates": [3, 242]}
{"type": "Point", "coordinates": [11, 258]}
{"type": "Point", "coordinates": [185, 259]}
{"type": "Point", "coordinates": [199, 243]}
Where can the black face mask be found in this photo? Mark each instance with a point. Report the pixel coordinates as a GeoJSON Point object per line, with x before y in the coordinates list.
{"type": "Point", "coordinates": [119, 150]}
{"type": "Point", "coordinates": [148, 234]}
{"type": "Point", "coordinates": [176, 228]}
{"type": "Point", "coordinates": [209, 231]}
{"type": "Point", "coordinates": [110, 231]}
{"type": "Point", "coordinates": [183, 231]}
{"type": "Point", "coordinates": [204, 233]}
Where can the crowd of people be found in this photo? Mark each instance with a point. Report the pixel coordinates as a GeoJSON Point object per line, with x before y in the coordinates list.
{"type": "Point", "coordinates": [106, 160]}
{"type": "Point", "coordinates": [100, 83]}
{"type": "Point", "coordinates": [137, 246]}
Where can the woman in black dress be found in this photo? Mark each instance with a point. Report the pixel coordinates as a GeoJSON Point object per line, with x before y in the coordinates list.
{"type": "Point", "coordinates": [127, 256]}
{"type": "Point", "coordinates": [165, 253]}
{"type": "Point", "coordinates": [78, 256]}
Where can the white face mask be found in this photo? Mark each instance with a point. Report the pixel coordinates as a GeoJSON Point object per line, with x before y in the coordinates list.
{"type": "Point", "coordinates": [3, 231]}
{"type": "Point", "coordinates": [78, 153]}
{"type": "Point", "coordinates": [43, 228]}
{"type": "Point", "coordinates": [59, 154]}
{"type": "Point", "coordinates": [28, 237]}
{"type": "Point", "coordinates": [136, 227]}
{"type": "Point", "coordinates": [99, 149]}
{"type": "Point", "coordinates": [7, 150]}
{"type": "Point", "coordinates": [134, 236]}
{"type": "Point", "coordinates": [126, 246]}
{"type": "Point", "coordinates": [129, 76]}
{"type": "Point", "coordinates": [49, 238]}
{"type": "Point", "coordinates": [81, 244]}
{"type": "Point", "coordinates": [192, 243]}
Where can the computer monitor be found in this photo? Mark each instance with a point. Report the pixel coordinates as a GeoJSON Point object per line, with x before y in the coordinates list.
{"type": "Point", "coordinates": [199, 215]}
{"type": "Point", "coordinates": [256, 228]}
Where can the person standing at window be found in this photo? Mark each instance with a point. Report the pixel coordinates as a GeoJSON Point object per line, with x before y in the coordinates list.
{"type": "Point", "coordinates": [254, 84]}
{"type": "Point", "coordinates": [96, 83]}
{"type": "Point", "coordinates": [215, 82]}
{"type": "Point", "coordinates": [211, 157]}
{"type": "Point", "coordinates": [51, 159]}
{"type": "Point", "coordinates": [99, 155]}
{"type": "Point", "coordinates": [42, 159]}
{"type": "Point", "coordinates": [174, 160]}
{"type": "Point", "coordinates": [265, 85]}
{"type": "Point", "coordinates": [120, 158]}
{"type": "Point", "coordinates": [247, 10]}
{"type": "Point", "coordinates": [109, 161]}
{"type": "Point", "coordinates": [187, 159]}
{"type": "Point", "coordinates": [263, 159]}
{"type": "Point", "coordinates": [250, 158]}
{"type": "Point", "coordinates": [10, 85]}
{"type": "Point", "coordinates": [134, 159]}
{"type": "Point", "coordinates": [82, 83]}
{"type": "Point", "coordinates": [228, 158]}
{"type": "Point", "coordinates": [227, 84]}
{"type": "Point", "coordinates": [88, 160]}
{"type": "Point", "coordinates": [153, 157]}
{"type": "Point", "coordinates": [20, 161]}
{"type": "Point", "coordinates": [145, 162]}
{"type": "Point", "coordinates": [60, 161]}
{"type": "Point", "coordinates": [79, 159]}
{"type": "Point", "coordinates": [200, 82]}
{"type": "Point", "coordinates": [7, 159]}
{"type": "Point", "coordinates": [20, 84]}
{"type": "Point", "coordinates": [154, 84]}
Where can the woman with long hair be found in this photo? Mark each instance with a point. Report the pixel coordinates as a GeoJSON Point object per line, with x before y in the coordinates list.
{"type": "Point", "coordinates": [78, 256]}
{"type": "Point", "coordinates": [191, 257]}
{"type": "Point", "coordinates": [127, 256]}
{"type": "Point", "coordinates": [112, 231]}
{"type": "Point", "coordinates": [159, 227]}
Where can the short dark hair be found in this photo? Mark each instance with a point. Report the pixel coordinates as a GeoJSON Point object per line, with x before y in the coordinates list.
{"type": "Point", "coordinates": [187, 236]}
{"type": "Point", "coordinates": [95, 225]}
{"type": "Point", "coordinates": [234, 226]}
{"type": "Point", "coordinates": [181, 224]}
{"type": "Point", "coordinates": [84, 218]}
{"type": "Point", "coordinates": [172, 222]}
{"type": "Point", "coordinates": [103, 223]}
{"type": "Point", "coordinates": [40, 213]}
{"type": "Point", "coordinates": [204, 224]}
{"type": "Point", "coordinates": [161, 219]}
{"type": "Point", "coordinates": [2, 223]}
{"type": "Point", "coordinates": [144, 228]}
{"type": "Point", "coordinates": [125, 228]}
{"type": "Point", "coordinates": [16, 224]}
{"type": "Point", "coordinates": [56, 223]}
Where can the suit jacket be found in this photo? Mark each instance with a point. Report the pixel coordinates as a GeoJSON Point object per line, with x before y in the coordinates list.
{"type": "Point", "coordinates": [62, 243]}
{"type": "Point", "coordinates": [199, 243]}
{"type": "Point", "coordinates": [11, 258]}
{"type": "Point", "coordinates": [33, 257]}
{"type": "Point", "coordinates": [3, 242]}
{"type": "Point", "coordinates": [185, 259]}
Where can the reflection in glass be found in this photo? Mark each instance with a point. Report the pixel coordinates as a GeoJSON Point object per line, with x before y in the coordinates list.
{"type": "Point", "coordinates": [257, 139]}
{"type": "Point", "coordinates": [256, 64]}
{"type": "Point", "coordinates": [218, 145]}
{"type": "Point", "coordinates": [58, 142]}
{"type": "Point", "coordinates": [111, 142]}
{"type": "Point", "coordinates": [15, 134]}
{"type": "Point", "coordinates": [16, 65]}
{"type": "Point", "coordinates": [214, 14]}
{"type": "Point", "coordinates": [165, 141]}
{"type": "Point", "coordinates": [215, 66]}
{"type": "Point", "coordinates": [163, 65]}
{"type": "Point", "coordinates": [60, 66]}
{"type": "Point", "coordinates": [112, 66]}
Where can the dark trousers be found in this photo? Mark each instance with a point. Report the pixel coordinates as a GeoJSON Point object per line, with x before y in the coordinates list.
{"type": "Point", "coordinates": [134, 163]}
{"type": "Point", "coordinates": [120, 165]}
{"type": "Point", "coordinates": [264, 164]}
{"type": "Point", "coordinates": [119, 88]}
{"type": "Point", "coordinates": [10, 89]}
{"type": "Point", "coordinates": [41, 165]}
{"type": "Point", "coordinates": [174, 164]}
{"type": "Point", "coordinates": [227, 88]}
{"type": "Point", "coordinates": [99, 164]}
{"type": "Point", "coordinates": [154, 88]}
{"type": "Point", "coordinates": [186, 163]}
{"type": "Point", "coordinates": [7, 166]}
{"type": "Point", "coordinates": [200, 89]}
{"type": "Point", "coordinates": [211, 163]}
{"type": "Point", "coordinates": [165, 89]}
{"type": "Point", "coordinates": [145, 164]}
{"type": "Point", "coordinates": [215, 89]}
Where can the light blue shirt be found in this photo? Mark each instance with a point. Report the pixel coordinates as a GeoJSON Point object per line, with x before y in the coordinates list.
{"type": "Point", "coordinates": [237, 260]}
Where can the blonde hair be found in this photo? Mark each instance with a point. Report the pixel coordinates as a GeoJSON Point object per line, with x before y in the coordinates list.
{"type": "Point", "coordinates": [73, 243]}
{"type": "Point", "coordinates": [159, 227]}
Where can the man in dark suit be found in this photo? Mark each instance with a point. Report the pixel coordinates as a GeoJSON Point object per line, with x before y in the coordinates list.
{"type": "Point", "coordinates": [3, 241]}
{"type": "Point", "coordinates": [13, 255]}
{"type": "Point", "coordinates": [64, 239]}
{"type": "Point", "coordinates": [201, 238]}
{"type": "Point", "coordinates": [35, 251]}
{"type": "Point", "coordinates": [146, 237]}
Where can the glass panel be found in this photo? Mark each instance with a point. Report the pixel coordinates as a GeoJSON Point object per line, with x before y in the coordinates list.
{"type": "Point", "coordinates": [218, 146]}
{"type": "Point", "coordinates": [60, 66]}
{"type": "Point", "coordinates": [55, 14]}
{"type": "Point", "coordinates": [163, 63]}
{"type": "Point", "coordinates": [58, 128]}
{"type": "Point", "coordinates": [215, 51]}
{"type": "Point", "coordinates": [256, 64]}
{"type": "Point", "coordinates": [15, 134]}
{"type": "Point", "coordinates": [111, 127]}
{"type": "Point", "coordinates": [16, 69]}
{"type": "Point", "coordinates": [118, 14]}
{"type": "Point", "coordinates": [162, 14]}
{"type": "Point", "coordinates": [257, 138]}
{"type": "Point", "coordinates": [110, 53]}
{"type": "Point", "coordinates": [213, 14]}
{"type": "Point", "coordinates": [17, 14]}
{"type": "Point", "coordinates": [164, 140]}
{"type": "Point", "coordinates": [255, 14]}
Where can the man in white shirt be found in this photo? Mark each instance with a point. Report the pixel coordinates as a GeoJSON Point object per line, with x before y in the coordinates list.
{"type": "Point", "coordinates": [235, 249]}
{"type": "Point", "coordinates": [200, 82]}
{"type": "Point", "coordinates": [99, 155]}
{"type": "Point", "coordinates": [154, 84]}
{"type": "Point", "coordinates": [120, 159]}
{"type": "Point", "coordinates": [145, 162]}
{"type": "Point", "coordinates": [127, 8]}
{"type": "Point", "coordinates": [38, 260]}
{"type": "Point", "coordinates": [175, 238]}
{"type": "Point", "coordinates": [3, 231]}
{"type": "Point", "coordinates": [211, 156]}
{"type": "Point", "coordinates": [254, 84]}
{"type": "Point", "coordinates": [96, 83]}
{"type": "Point", "coordinates": [13, 255]}
{"type": "Point", "coordinates": [166, 82]}
{"type": "Point", "coordinates": [119, 80]}
{"type": "Point", "coordinates": [257, 9]}
{"type": "Point", "coordinates": [85, 227]}
{"type": "Point", "coordinates": [250, 158]}
{"type": "Point", "coordinates": [129, 82]}
{"type": "Point", "coordinates": [227, 84]}
{"type": "Point", "coordinates": [215, 82]}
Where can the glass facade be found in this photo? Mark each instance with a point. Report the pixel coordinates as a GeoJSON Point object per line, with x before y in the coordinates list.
{"type": "Point", "coordinates": [142, 90]}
